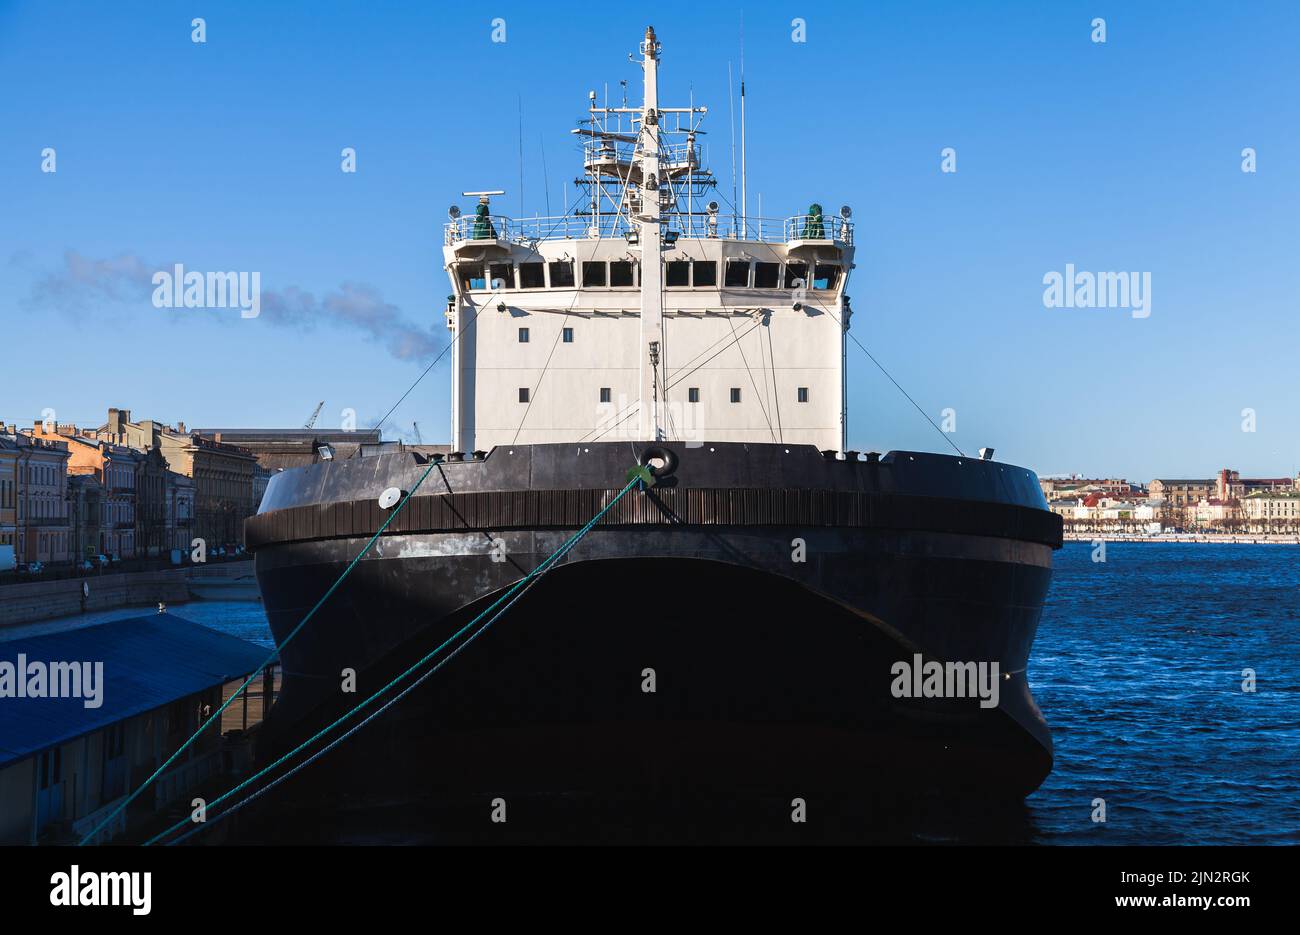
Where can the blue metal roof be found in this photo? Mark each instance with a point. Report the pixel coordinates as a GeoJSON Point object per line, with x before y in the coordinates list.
{"type": "Point", "coordinates": [148, 662]}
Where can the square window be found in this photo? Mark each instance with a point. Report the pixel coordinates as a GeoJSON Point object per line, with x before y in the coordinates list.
{"type": "Point", "coordinates": [523, 335]}
{"type": "Point", "coordinates": [796, 274]}
{"type": "Point", "coordinates": [620, 273]}
{"type": "Point", "coordinates": [532, 275]}
{"type": "Point", "coordinates": [503, 275]}
{"type": "Point", "coordinates": [471, 276]}
{"type": "Point", "coordinates": [737, 274]}
{"type": "Point", "coordinates": [693, 394]}
{"type": "Point", "coordinates": [523, 394]}
{"type": "Point", "coordinates": [593, 274]}
{"type": "Point", "coordinates": [706, 273]}
{"type": "Point", "coordinates": [803, 394]}
{"type": "Point", "coordinates": [766, 275]}
{"type": "Point", "coordinates": [679, 273]}
{"type": "Point", "coordinates": [561, 274]}
{"type": "Point", "coordinates": [568, 335]}
{"type": "Point", "coordinates": [735, 394]}
{"type": "Point", "coordinates": [604, 394]}
{"type": "Point", "coordinates": [825, 276]}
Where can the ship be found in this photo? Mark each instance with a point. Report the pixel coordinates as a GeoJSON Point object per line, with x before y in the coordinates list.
{"type": "Point", "coordinates": [751, 618]}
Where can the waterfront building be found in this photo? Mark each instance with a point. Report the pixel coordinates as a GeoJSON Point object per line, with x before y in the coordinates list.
{"type": "Point", "coordinates": [1269, 511]}
{"type": "Point", "coordinates": [1148, 511]}
{"type": "Point", "coordinates": [41, 532]}
{"type": "Point", "coordinates": [222, 473]}
{"type": "Point", "coordinates": [1230, 485]}
{"type": "Point", "coordinates": [1181, 493]}
{"type": "Point", "coordinates": [1215, 512]}
{"type": "Point", "coordinates": [8, 492]}
{"type": "Point", "coordinates": [179, 511]}
{"type": "Point", "coordinates": [281, 449]}
{"type": "Point", "coordinates": [85, 516]}
{"type": "Point", "coordinates": [1055, 488]}
{"type": "Point", "coordinates": [66, 765]}
{"type": "Point", "coordinates": [151, 536]}
{"type": "Point", "coordinates": [115, 467]}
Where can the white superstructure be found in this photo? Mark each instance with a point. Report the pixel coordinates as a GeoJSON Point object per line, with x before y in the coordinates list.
{"type": "Point", "coordinates": [564, 330]}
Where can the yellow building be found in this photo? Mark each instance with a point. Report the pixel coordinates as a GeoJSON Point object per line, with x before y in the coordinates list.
{"type": "Point", "coordinates": [40, 494]}
{"type": "Point", "coordinates": [1181, 494]}
{"type": "Point", "coordinates": [8, 491]}
{"type": "Point", "coordinates": [222, 474]}
{"type": "Point", "coordinates": [1271, 511]}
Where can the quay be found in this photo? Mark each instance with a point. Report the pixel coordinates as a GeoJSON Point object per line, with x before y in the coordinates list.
{"type": "Point", "coordinates": [32, 601]}
{"type": "Point", "coordinates": [1216, 538]}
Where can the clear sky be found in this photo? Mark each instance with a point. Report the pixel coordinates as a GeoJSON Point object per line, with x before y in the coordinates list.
{"type": "Point", "coordinates": [225, 155]}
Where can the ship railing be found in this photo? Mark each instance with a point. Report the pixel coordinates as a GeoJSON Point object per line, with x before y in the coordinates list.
{"type": "Point", "coordinates": [818, 227]}
{"type": "Point", "coordinates": [572, 227]}
{"type": "Point", "coordinates": [800, 227]}
{"type": "Point", "coordinates": [491, 227]}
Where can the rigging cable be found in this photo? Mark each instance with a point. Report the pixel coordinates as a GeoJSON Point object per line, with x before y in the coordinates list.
{"type": "Point", "coordinates": [508, 599]}
{"type": "Point", "coordinates": [752, 381]}
{"type": "Point", "coordinates": [275, 652]}
{"type": "Point", "coordinates": [870, 357]}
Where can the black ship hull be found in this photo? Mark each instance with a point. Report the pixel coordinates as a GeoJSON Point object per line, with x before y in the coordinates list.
{"type": "Point", "coordinates": [733, 631]}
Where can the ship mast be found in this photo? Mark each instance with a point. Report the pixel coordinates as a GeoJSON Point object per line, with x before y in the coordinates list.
{"type": "Point", "coordinates": [650, 234]}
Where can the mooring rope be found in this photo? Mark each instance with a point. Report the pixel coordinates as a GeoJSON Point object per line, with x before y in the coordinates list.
{"type": "Point", "coordinates": [275, 652]}
{"type": "Point", "coordinates": [508, 599]}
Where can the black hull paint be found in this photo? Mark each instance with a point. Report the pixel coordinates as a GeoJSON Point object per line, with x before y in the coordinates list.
{"type": "Point", "coordinates": [772, 675]}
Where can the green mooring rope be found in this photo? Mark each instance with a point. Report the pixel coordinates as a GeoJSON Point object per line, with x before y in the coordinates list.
{"type": "Point", "coordinates": [508, 599]}
{"type": "Point", "coordinates": [216, 715]}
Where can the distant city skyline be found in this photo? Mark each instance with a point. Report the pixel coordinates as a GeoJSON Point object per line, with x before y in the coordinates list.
{"type": "Point", "coordinates": [1070, 155]}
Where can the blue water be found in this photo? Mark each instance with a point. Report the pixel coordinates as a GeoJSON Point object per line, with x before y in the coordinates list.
{"type": "Point", "coordinates": [1138, 669]}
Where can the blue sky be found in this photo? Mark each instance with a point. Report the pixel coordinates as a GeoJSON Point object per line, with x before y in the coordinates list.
{"type": "Point", "coordinates": [225, 156]}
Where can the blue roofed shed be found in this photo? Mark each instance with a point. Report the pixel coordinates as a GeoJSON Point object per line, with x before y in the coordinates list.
{"type": "Point", "coordinates": [64, 763]}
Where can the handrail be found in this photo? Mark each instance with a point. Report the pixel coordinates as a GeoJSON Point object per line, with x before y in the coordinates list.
{"type": "Point", "coordinates": [833, 229]}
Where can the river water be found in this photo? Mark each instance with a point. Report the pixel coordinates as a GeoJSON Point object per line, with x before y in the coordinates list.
{"type": "Point", "coordinates": [1138, 667]}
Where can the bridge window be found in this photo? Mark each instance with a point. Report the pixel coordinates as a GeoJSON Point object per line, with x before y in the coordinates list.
{"type": "Point", "coordinates": [562, 274]}
{"type": "Point", "coordinates": [803, 394]}
{"type": "Point", "coordinates": [796, 274]}
{"type": "Point", "coordinates": [471, 276]}
{"type": "Point", "coordinates": [532, 275]}
{"type": "Point", "coordinates": [503, 275]}
{"type": "Point", "coordinates": [593, 274]}
{"type": "Point", "coordinates": [826, 276]}
{"type": "Point", "coordinates": [767, 275]}
{"type": "Point", "coordinates": [679, 273]}
{"type": "Point", "coordinates": [620, 273]}
{"type": "Point", "coordinates": [735, 394]}
{"type": "Point", "coordinates": [693, 394]}
{"type": "Point", "coordinates": [604, 394]}
{"type": "Point", "coordinates": [737, 276]}
{"type": "Point", "coordinates": [567, 334]}
{"type": "Point", "coordinates": [523, 335]}
{"type": "Point", "coordinates": [706, 273]}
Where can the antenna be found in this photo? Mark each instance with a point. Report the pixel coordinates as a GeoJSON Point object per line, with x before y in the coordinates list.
{"type": "Point", "coordinates": [520, 100]}
{"type": "Point", "coordinates": [731, 110]}
{"type": "Point", "coordinates": [546, 179]}
{"type": "Point", "coordinates": [744, 199]}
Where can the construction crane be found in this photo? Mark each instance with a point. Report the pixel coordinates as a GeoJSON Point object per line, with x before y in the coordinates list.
{"type": "Point", "coordinates": [418, 439]}
{"type": "Point", "coordinates": [311, 423]}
